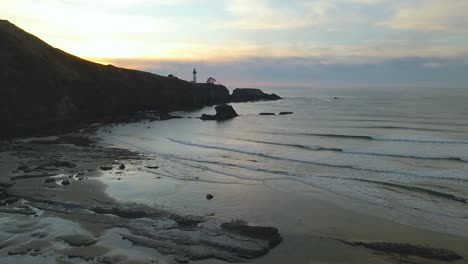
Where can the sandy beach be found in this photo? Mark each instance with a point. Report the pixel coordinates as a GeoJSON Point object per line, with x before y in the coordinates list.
{"type": "Point", "coordinates": [63, 208]}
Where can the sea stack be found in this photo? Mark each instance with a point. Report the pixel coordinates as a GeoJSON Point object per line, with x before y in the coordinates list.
{"type": "Point", "coordinates": [223, 112]}
{"type": "Point", "coordinates": [251, 94]}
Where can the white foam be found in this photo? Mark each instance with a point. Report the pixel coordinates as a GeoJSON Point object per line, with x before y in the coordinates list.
{"type": "Point", "coordinates": [421, 139]}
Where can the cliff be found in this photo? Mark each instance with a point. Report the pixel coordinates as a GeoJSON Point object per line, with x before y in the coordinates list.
{"type": "Point", "coordinates": [40, 84]}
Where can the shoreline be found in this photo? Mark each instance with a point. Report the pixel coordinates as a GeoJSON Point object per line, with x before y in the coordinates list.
{"type": "Point", "coordinates": [74, 195]}
{"type": "Point", "coordinates": [326, 225]}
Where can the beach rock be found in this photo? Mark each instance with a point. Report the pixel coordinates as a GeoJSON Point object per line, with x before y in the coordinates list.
{"type": "Point", "coordinates": [166, 116]}
{"type": "Point", "coordinates": [269, 234]}
{"type": "Point", "coordinates": [125, 212]}
{"type": "Point", "coordinates": [23, 211]}
{"type": "Point", "coordinates": [21, 250]}
{"type": "Point", "coordinates": [408, 250]}
{"type": "Point", "coordinates": [36, 251]}
{"type": "Point", "coordinates": [11, 200]}
{"type": "Point", "coordinates": [250, 94]}
{"type": "Point", "coordinates": [78, 240]}
{"type": "Point", "coordinates": [65, 164]}
{"type": "Point", "coordinates": [223, 112]}
{"type": "Point", "coordinates": [22, 168]}
{"type": "Point", "coordinates": [66, 182]}
{"type": "Point", "coordinates": [122, 167]}
{"type": "Point", "coordinates": [6, 183]}
{"type": "Point", "coordinates": [106, 168]}
{"type": "Point", "coordinates": [286, 113]}
{"type": "Point", "coordinates": [188, 222]}
{"type": "Point", "coordinates": [3, 193]}
{"type": "Point", "coordinates": [49, 180]}
{"type": "Point", "coordinates": [181, 258]}
{"type": "Point", "coordinates": [209, 196]}
{"type": "Point", "coordinates": [267, 114]}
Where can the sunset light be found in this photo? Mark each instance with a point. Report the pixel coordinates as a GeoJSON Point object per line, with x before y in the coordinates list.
{"type": "Point", "coordinates": [233, 131]}
{"type": "Point", "coordinates": [335, 33]}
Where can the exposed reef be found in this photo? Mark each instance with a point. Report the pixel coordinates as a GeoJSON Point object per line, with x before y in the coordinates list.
{"type": "Point", "coordinates": [177, 236]}
{"type": "Point", "coordinates": [403, 249]}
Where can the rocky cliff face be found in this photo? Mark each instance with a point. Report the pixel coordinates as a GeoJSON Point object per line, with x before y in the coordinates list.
{"type": "Point", "coordinates": [40, 82]}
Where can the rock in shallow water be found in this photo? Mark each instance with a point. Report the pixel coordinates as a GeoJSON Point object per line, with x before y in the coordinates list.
{"type": "Point", "coordinates": [269, 234]}
{"type": "Point", "coordinates": [66, 182]}
{"type": "Point", "coordinates": [49, 180]}
{"type": "Point", "coordinates": [11, 200]}
{"type": "Point", "coordinates": [106, 168]}
{"type": "Point", "coordinates": [181, 258]}
{"type": "Point", "coordinates": [78, 240]}
{"type": "Point", "coordinates": [223, 112]}
{"type": "Point", "coordinates": [20, 250]}
{"type": "Point", "coordinates": [407, 249]}
{"type": "Point", "coordinates": [209, 196]}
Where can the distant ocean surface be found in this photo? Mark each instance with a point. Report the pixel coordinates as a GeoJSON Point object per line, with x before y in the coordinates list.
{"type": "Point", "coordinates": [401, 154]}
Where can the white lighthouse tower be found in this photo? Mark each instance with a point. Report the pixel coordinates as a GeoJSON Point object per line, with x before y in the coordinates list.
{"type": "Point", "coordinates": [194, 76]}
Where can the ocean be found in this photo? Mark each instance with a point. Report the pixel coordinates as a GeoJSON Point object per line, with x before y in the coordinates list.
{"type": "Point", "coordinates": [396, 154]}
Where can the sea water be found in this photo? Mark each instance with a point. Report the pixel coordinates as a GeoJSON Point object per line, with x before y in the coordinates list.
{"type": "Point", "coordinates": [399, 153]}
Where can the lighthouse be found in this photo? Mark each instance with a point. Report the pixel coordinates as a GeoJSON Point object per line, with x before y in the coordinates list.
{"type": "Point", "coordinates": [194, 76]}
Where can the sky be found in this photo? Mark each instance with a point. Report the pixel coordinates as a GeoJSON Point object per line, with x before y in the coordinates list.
{"type": "Point", "coordinates": [263, 43]}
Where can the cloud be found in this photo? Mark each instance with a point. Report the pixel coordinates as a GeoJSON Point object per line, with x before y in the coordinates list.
{"type": "Point", "coordinates": [432, 64]}
{"type": "Point", "coordinates": [263, 15]}
{"type": "Point", "coordinates": [432, 15]}
{"type": "Point", "coordinates": [368, 2]}
{"type": "Point", "coordinates": [288, 39]}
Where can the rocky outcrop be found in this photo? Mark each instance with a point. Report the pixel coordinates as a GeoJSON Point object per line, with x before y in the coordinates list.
{"type": "Point", "coordinates": [406, 249]}
{"type": "Point", "coordinates": [190, 236]}
{"type": "Point", "coordinates": [223, 112]}
{"type": "Point", "coordinates": [251, 94]}
{"type": "Point", "coordinates": [266, 233]}
{"type": "Point", "coordinates": [78, 240]}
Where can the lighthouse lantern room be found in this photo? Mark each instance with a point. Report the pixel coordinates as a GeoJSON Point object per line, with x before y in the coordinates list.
{"type": "Point", "coordinates": [194, 76]}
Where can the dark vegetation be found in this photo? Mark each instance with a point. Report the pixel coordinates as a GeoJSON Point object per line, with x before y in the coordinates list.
{"type": "Point", "coordinates": [42, 86]}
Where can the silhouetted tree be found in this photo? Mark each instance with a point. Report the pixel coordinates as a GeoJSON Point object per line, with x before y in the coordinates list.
{"type": "Point", "coordinates": [211, 80]}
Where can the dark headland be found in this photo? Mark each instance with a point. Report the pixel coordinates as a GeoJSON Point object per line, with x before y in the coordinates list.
{"type": "Point", "coordinates": [42, 87]}
{"type": "Point", "coordinates": [45, 90]}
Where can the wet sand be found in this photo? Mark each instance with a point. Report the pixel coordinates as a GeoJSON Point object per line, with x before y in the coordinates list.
{"type": "Point", "coordinates": [94, 205]}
